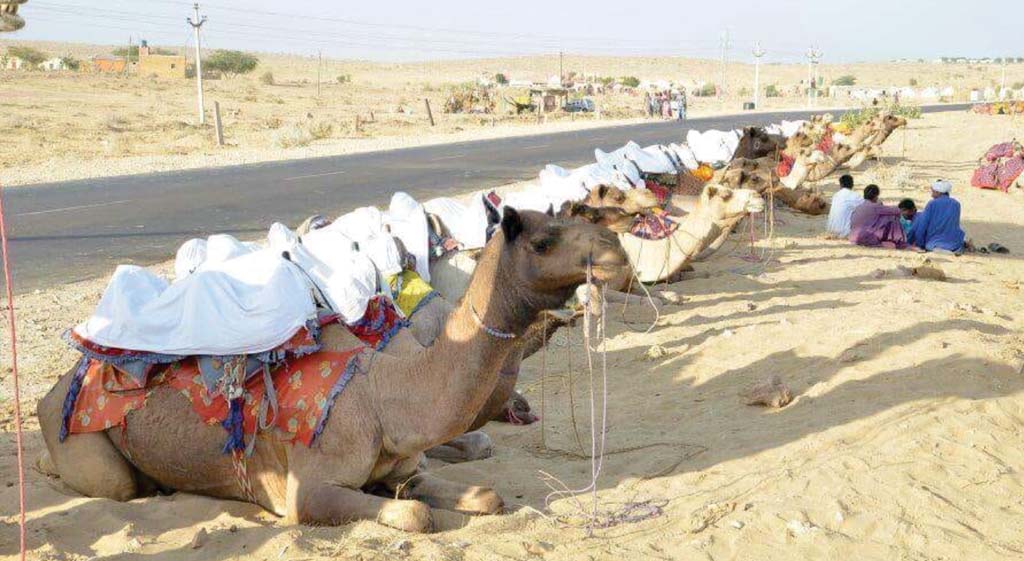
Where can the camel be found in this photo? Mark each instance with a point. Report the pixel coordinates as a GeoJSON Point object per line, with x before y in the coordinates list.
{"type": "Point", "coordinates": [657, 260]}
{"type": "Point", "coordinates": [633, 201]}
{"type": "Point", "coordinates": [614, 218]}
{"type": "Point", "coordinates": [757, 143]}
{"type": "Point", "coordinates": [380, 424]}
{"type": "Point", "coordinates": [9, 18]}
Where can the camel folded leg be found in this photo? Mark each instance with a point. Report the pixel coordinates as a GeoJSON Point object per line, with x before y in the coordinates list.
{"type": "Point", "coordinates": [330, 504]}
{"type": "Point", "coordinates": [448, 495]}
{"type": "Point", "coordinates": [88, 463]}
{"type": "Point", "coordinates": [468, 447]}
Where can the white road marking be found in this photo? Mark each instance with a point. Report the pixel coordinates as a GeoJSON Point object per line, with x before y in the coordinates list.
{"type": "Point", "coordinates": [447, 158]}
{"type": "Point", "coordinates": [538, 146]}
{"type": "Point", "coordinates": [297, 177]}
{"type": "Point", "coordinates": [70, 208]}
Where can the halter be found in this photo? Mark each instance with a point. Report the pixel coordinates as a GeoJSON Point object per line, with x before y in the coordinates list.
{"type": "Point", "coordinates": [490, 330]}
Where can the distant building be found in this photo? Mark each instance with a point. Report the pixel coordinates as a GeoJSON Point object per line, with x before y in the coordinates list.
{"type": "Point", "coordinates": [53, 65]}
{"type": "Point", "coordinates": [164, 66]}
{"type": "Point", "coordinates": [109, 64]}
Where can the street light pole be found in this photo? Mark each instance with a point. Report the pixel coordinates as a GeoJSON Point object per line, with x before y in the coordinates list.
{"type": "Point", "coordinates": [758, 53]}
{"type": "Point", "coordinates": [196, 25]}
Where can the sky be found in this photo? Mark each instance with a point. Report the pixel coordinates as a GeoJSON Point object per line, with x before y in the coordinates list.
{"type": "Point", "coordinates": [400, 30]}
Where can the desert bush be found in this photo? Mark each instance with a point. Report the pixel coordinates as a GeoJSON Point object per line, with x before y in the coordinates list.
{"type": "Point", "coordinates": [707, 90]}
{"type": "Point", "coordinates": [629, 81]}
{"type": "Point", "coordinates": [1018, 85]}
{"type": "Point", "coordinates": [267, 78]}
{"type": "Point", "coordinates": [32, 56]}
{"type": "Point", "coordinates": [845, 80]}
{"type": "Point", "coordinates": [913, 82]}
{"type": "Point", "coordinates": [231, 62]}
{"type": "Point", "coordinates": [344, 79]}
{"type": "Point", "coordinates": [292, 137]}
{"type": "Point", "coordinates": [320, 130]}
{"type": "Point", "coordinates": [501, 79]}
{"type": "Point", "coordinates": [71, 62]}
{"type": "Point", "coordinates": [273, 123]}
{"type": "Point", "coordinates": [116, 123]}
{"type": "Point", "coordinates": [772, 91]}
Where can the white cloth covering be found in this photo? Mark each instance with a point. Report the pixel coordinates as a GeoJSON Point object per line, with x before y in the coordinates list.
{"type": "Point", "coordinates": [685, 155]}
{"type": "Point", "coordinates": [365, 226]}
{"type": "Point", "coordinates": [466, 223]}
{"type": "Point", "coordinates": [347, 278]}
{"type": "Point", "coordinates": [844, 202]}
{"type": "Point", "coordinates": [246, 305]}
{"type": "Point", "coordinates": [713, 146]}
{"type": "Point", "coordinates": [189, 257]}
{"type": "Point", "coordinates": [407, 221]}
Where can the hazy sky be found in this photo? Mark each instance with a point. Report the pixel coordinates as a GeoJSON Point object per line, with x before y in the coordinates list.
{"type": "Point", "coordinates": [428, 29]}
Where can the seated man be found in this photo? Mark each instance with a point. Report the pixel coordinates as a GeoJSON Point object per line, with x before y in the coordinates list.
{"type": "Point", "coordinates": [938, 227]}
{"type": "Point", "coordinates": [908, 210]}
{"type": "Point", "coordinates": [843, 204]}
{"type": "Point", "coordinates": [875, 225]}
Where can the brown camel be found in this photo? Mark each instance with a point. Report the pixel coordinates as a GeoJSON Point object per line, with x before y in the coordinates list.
{"type": "Point", "coordinates": [757, 143]}
{"type": "Point", "coordinates": [9, 18]}
{"type": "Point", "coordinates": [632, 201]}
{"type": "Point", "coordinates": [615, 219]}
{"type": "Point", "coordinates": [384, 419]}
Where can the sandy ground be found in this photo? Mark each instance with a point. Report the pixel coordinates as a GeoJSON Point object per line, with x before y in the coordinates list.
{"type": "Point", "coordinates": [66, 126]}
{"type": "Point", "coordinates": [903, 441]}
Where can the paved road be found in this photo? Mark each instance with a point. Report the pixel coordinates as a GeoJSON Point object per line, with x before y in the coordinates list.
{"type": "Point", "coordinates": [81, 229]}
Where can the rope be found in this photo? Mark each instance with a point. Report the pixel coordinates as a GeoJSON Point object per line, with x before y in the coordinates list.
{"type": "Point", "coordinates": [14, 375]}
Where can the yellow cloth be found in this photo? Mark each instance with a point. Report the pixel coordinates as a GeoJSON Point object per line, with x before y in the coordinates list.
{"type": "Point", "coordinates": [704, 172]}
{"type": "Point", "coordinates": [412, 289]}
{"type": "Point", "coordinates": [842, 128]}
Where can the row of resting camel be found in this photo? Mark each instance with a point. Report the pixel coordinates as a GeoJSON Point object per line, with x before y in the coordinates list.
{"type": "Point", "coordinates": [452, 371]}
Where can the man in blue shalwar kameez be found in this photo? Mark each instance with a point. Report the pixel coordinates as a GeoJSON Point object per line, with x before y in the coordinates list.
{"type": "Point", "coordinates": [938, 227]}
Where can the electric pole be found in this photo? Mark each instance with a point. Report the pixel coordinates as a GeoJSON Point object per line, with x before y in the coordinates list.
{"type": "Point", "coordinates": [812, 85]}
{"type": "Point", "coordinates": [725, 62]}
{"type": "Point", "coordinates": [196, 25]}
{"type": "Point", "coordinates": [561, 73]}
{"type": "Point", "coordinates": [758, 53]}
{"type": "Point", "coordinates": [1002, 87]}
{"type": "Point", "coordinates": [319, 64]}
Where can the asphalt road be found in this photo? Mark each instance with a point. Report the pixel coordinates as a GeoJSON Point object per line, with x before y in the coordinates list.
{"type": "Point", "coordinates": [74, 230]}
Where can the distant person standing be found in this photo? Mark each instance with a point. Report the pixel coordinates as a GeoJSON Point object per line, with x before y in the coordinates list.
{"type": "Point", "coordinates": [682, 104]}
{"type": "Point", "coordinates": [649, 103]}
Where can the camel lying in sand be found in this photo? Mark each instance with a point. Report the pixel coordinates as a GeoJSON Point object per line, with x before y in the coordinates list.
{"type": "Point", "coordinates": [383, 421]}
{"type": "Point", "coordinates": [9, 18]}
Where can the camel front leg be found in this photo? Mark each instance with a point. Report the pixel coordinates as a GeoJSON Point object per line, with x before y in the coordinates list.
{"type": "Point", "coordinates": [449, 495]}
{"type": "Point", "coordinates": [327, 504]}
{"type": "Point", "coordinates": [468, 447]}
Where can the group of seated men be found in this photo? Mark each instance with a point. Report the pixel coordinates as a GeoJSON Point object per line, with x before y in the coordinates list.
{"type": "Point", "coordinates": [866, 221]}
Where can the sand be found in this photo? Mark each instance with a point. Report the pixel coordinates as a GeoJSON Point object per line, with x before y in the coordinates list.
{"type": "Point", "coordinates": [902, 442]}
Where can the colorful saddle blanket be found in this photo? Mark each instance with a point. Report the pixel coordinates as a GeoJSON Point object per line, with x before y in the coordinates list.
{"type": "Point", "coordinates": [1002, 166]}
{"type": "Point", "coordinates": [101, 396]}
{"type": "Point", "coordinates": [654, 226]}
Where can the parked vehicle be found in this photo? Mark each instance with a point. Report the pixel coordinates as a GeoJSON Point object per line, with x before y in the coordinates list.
{"type": "Point", "coordinates": [585, 105]}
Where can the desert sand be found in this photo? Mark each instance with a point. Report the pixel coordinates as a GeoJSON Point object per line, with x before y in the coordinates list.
{"type": "Point", "coordinates": [902, 442]}
{"type": "Point", "coordinates": [76, 125]}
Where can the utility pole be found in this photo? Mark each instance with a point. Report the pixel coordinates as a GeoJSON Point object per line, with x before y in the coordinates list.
{"type": "Point", "coordinates": [758, 53]}
{"type": "Point", "coordinates": [812, 85]}
{"type": "Point", "coordinates": [561, 73]}
{"type": "Point", "coordinates": [196, 25]}
{"type": "Point", "coordinates": [1002, 87]}
{"type": "Point", "coordinates": [319, 64]}
{"type": "Point", "coordinates": [725, 61]}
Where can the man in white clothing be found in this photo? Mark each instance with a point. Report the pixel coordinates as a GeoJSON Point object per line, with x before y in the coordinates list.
{"type": "Point", "coordinates": [844, 202]}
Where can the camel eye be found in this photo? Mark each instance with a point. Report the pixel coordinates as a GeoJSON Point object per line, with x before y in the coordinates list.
{"type": "Point", "coordinates": [542, 245]}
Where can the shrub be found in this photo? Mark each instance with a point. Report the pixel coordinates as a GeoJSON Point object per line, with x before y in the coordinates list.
{"type": "Point", "coordinates": [32, 56]}
{"type": "Point", "coordinates": [1018, 85]}
{"type": "Point", "coordinates": [772, 91]}
{"type": "Point", "coordinates": [320, 130]}
{"type": "Point", "coordinates": [292, 137]}
{"type": "Point", "coordinates": [630, 81]}
{"type": "Point", "coordinates": [707, 90]}
{"type": "Point", "coordinates": [267, 78]}
{"type": "Point", "coordinates": [846, 80]}
{"type": "Point", "coordinates": [606, 81]}
{"type": "Point", "coordinates": [344, 79]}
{"type": "Point", "coordinates": [501, 79]}
{"type": "Point", "coordinates": [231, 62]}
{"type": "Point", "coordinates": [913, 82]}
{"type": "Point", "coordinates": [71, 62]}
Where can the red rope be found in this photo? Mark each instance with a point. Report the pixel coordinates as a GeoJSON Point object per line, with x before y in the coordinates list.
{"type": "Point", "coordinates": [14, 371]}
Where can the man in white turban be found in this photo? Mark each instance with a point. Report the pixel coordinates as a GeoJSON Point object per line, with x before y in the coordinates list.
{"type": "Point", "coordinates": [938, 227]}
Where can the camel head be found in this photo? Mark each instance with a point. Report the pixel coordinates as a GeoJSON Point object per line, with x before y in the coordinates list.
{"type": "Point", "coordinates": [9, 18]}
{"type": "Point", "coordinates": [757, 143]}
{"type": "Point", "coordinates": [797, 141]}
{"type": "Point", "coordinates": [633, 201]}
{"type": "Point", "coordinates": [548, 257]}
{"type": "Point", "coordinates": [615, 219]}
{"type": "Point", "coordinates": [721, 203]}
{"type": "Point", "coordinates": [743, 173]}
{"type": "Point", "coordinates": [893, 122]}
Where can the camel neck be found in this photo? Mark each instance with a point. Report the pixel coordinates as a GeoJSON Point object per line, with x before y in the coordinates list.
{"type": "Point", "coordinates": [445, 385]}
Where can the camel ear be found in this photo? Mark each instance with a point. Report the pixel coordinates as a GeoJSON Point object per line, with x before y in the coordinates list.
{"type": "Point", "coordinates": [602, 191]}
{"type": "Point", "coordinates": [511, 224]}
{"type": "Point", "coordinates": [551, 210]}
{"type": "Point", "coordinates": [711, 190]}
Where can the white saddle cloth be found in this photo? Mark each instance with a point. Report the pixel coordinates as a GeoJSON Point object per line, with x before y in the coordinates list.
{"type": "Point", "coordinates": [246, 305]}
{"type": "Point", "coordinates": [713, 146]}
{"type": "Point", "coordinates": [466, 223]}
{"type": "Point", "coordinates": [685, 155]}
